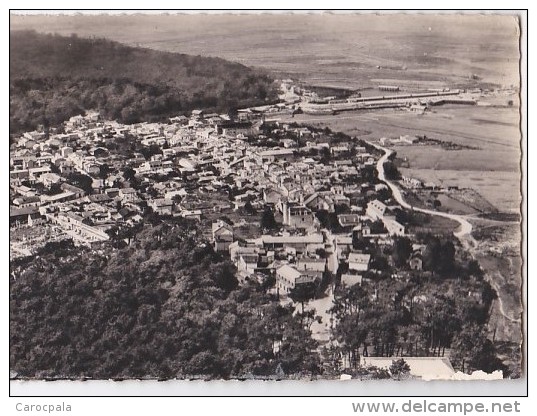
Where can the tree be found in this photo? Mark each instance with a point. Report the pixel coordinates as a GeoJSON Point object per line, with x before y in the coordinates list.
{"type": "Point", "coordinates": [342, 209]}
{"type": "Point", "coordinates": [377, 373]}
{"type": "Point", "coordinates": [129, 174]}
{"type": "Point", "coordinates": [474, 269]}
{"type": "Point", "coordinates": [399, 368]}
{"type": "Point", "coordinates": [82, 181]}
{"type": "Point", "coordinates": [380, 263]}
{"type": "Point", "coordinates": [167, 306]}
{"type": "Point", "coordinates": [104, 171]}
{"type": "Point", "coordinates": [447, 264]}
{"type": "Point", "coordinates": [471, 350]}
{"type": "Point", "coordinates": [369, 173]}
{"type": "Point", "coordinates": [55, 189]}
{"type": "Point", "coordinates": [323, 217]}
{"type": "Point", "coordinates": [377, 227]}
{"type": "Point", "coordinates": [307, 318]}
{"type": "Point", "coordinates": [267, 219]}
{"type": "Point", "coordinates": [119, 82]}
{"type": "Point", "coordinates": [402, 249]}
{"type": "Point", "coordinates": [384, 194]}
{"type": "Point", "coordinates": [391, 171]}
{"type": "Point", "coordinates": [249, 209]}
{"type": "Point", "coordinates": [325, 155]}
{"type": "Point", "coordinates": [303, 292]}
{"type": "Point", "coordinates": [351, 333]}
{"type": "Point", "coordinates": [439, 256]}
{"type": "Point", "coordinates": [431, 254]}
{"type": "Point", "coordinates": [150, 151]}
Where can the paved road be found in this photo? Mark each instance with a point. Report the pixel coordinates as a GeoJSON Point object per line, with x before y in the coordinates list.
{"type": "Point", "coordinates": [463, 233]}
{"type": "Point", "coordinates": [330, 248]}
{"type": "Point", "coordinates": [321, 331]}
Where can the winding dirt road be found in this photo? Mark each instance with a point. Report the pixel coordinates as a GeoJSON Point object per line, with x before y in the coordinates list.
{"type": "Point", "coordinates": [463, 233]}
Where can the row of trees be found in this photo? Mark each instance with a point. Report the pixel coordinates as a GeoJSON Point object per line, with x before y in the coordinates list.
{"type": "Point", "coordinates": [421, 317]}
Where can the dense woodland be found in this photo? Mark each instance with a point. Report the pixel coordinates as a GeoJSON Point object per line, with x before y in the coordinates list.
{"type": "Point", "coordinates": [54, 77]}
{"type": "Point", "coordinates": [443, 309]}
{"type": "Point", "coordinates": [165, 306]}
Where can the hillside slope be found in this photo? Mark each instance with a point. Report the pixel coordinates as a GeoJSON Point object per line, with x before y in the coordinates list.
{"type": "Point", "coordinates": [54, 77]}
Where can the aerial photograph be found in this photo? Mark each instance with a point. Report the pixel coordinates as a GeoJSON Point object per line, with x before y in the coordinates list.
{"type": "Point", "coordinates": [271, 196]}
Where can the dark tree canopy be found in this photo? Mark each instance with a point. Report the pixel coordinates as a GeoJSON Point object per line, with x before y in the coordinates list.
{"type": "Point", "coordinates": [472, 351]}
{"type": "Point", "coordinates": [402, 249]}
{"type": "Point", "coordinates": [267, 219]}
{"type": "Point", "coordinates": [165, 306]}
{"type": "Point", "coordinates": [303, 292]}
{"type": "Point", "coordinates": [53, 78]}
{"type": "Point", "coordinates": [82, 181]}
{"type": "Point", "coordinates": [439, 256]}
{"type": "Point", "coordinates": [399, 368]}
{"type": "Point", "coordinates": [391, 170]}
{"type": "Point", "coordinates": [249, 208]}
{"type": "Point", "coordinates": [420, 317]}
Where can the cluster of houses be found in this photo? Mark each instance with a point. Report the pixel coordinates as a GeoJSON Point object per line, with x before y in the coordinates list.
{"type": "Point", "coordinates": [298, 188]}
{"type": "Point", "coordinates": [177, 168]}
{"type": "Point", "coordinates": [296, 257]}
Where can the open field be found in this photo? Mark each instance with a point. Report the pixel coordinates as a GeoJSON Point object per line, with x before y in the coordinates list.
{"type": "Point", "coordinates": [493, 170]}
{"type": "Point", "coordinates": [501, 189]}
{"type": "Point", "coordinates": [433, 157]}
{"type": "Point", "coordinates": [452, 205]}
{"type": "Point", "coordinates": [497, 126]}
{"type": "Point", "coordinates": [479, 126]}
{"type": "Point", "coordinates": [435, 225]}
{"type": "Point", "coordinates": [352, 50]}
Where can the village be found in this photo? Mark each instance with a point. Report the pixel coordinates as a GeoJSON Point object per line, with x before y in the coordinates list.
{"type": "Point", "coordinates": [316, 191]}
{"type": "Point", "coordinates": [325, 200]}
{"type": "Point", "coordinates": [298, 210]}
{"type": "Point", "coordinates": [99, 176]}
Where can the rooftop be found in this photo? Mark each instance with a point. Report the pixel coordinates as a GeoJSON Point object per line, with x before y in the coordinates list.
{"type": "Point", "coordinates": [359, 258]}
{"type": "Point", "coordinates": [351, 279]}
{"type": "Point", "coordinates": [297, 239]}
{"type": "Point", "coordinates": [288, 272]}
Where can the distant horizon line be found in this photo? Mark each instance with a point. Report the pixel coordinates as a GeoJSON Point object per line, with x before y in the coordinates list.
{"type": "Point", "coordinates": [289, 12]}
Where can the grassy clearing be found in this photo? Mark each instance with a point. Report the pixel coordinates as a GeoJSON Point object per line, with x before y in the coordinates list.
{"type": "Point", "coordinates": [501, 189]}
{"type": "Point", "coordinates": [248, 230]}
{"type": "Point", "coordinates": [435, 225]}
{"type": "Point", "coordinates": [499, 144]}
{"type": "Point", "coordinates": [453, 206]}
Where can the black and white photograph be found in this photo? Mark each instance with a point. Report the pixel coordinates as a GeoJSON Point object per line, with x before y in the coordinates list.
{"type": "Point", "coordinates": [278, 196]}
